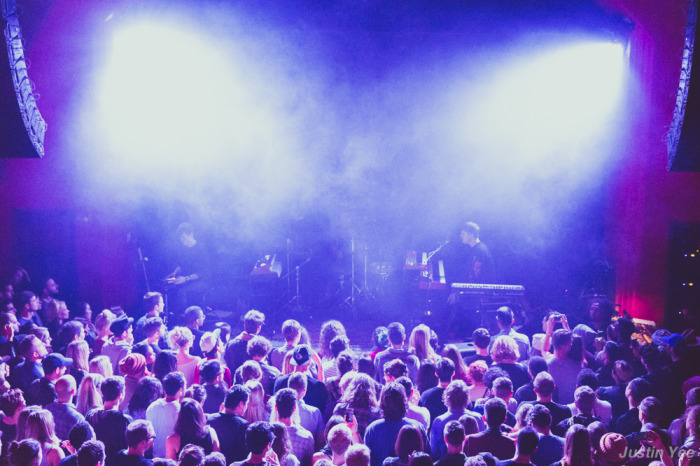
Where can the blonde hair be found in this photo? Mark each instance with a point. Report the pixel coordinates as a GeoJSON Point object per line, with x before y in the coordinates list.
{"type": "Point", "coordinates": [419, 343]}
{"type": "Point", "coordinates": [89, 395]}
{"type": "Point", "coordinates": [255, 411]}
{"type": "Point", "coordinates": [180, 337]}
{"type": "Point", "coordinates": [41, 427]}
{"type": "Point", "coordinates": [79, 352]}
{"type": "Point", "coordinates": [504, 349]}
{"type": "Point", "coordinates": [104, 320]}
{"type": "Point", "coordinates": [101, 365]}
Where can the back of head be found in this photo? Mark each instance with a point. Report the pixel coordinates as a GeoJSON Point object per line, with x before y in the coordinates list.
{"type": "Point", "coordinates": [258, 347]}
{"type": "Point", "coordinates": [536, 364]}
{"type": "Point", "coordinates": [339, 439]}
{"type": "Point", "coordinates": [290, 330]}
{"type": "Point", "coordinates": [250, 370]}
{"type": "Point", "coordinates": [235, 396]}
{"type": "Point", "coordinates": [151, 300]}
{"type": "Point", "coordinates": [397, 333]}
{"type": "Point", "coordinates": [456, 395]}
{"type": "Point", "coordinates": [539, 417]}
{"type": "Point", "coordinates": [652, 409]}
{"type": "Point", "coordinates": [495, 410]}
{"type": "Point", "coordinates": [587, 378]}
{"type": "Point", "coordinates": [420, 458]}
{"type": "Point", "coordinates": [258, 436]}
{"type": "Point", "coordinates": [298, 382]}
{"type": "Point", "coordinates": [596, 430]}
{"type": "Point", "coordinates": [173, 383]}
{"type": "Point", "coordinates": [544, 384]}
{"type": "Point", "coordinates": [584, 398]}
{"type": "Point", "coordinates": [339, 344]}
{"type": "Point", "coordinates": [191, 455]}
{"type": "Point", "coordinates": [393, 402]}
{"type": "Point", "coordinates": [285, 401]}
{"type": "Point", "coordinates": [454, 433]}
{"type": "Point", "coordinates": [561, 339]}
{"type": "Point", "coordinates": [91, 453]}
{"type": "Point", "coordinates": [504, 348]}
{"type": "Point", "coordinates": [346, 361]}
{"type": "Point", "coordinates": [395, 368]}
{"type": "Point", "coordinates": [365, 365]}
{"type": "Point", "coordinates": [357, 455]}
{"type": "Point", "coordinates": [112, 388]}
{"type": "Point", "coordinates": [481, 338]}
{"type": "Point", "coordinates": [577, 447]}
{"type": "Point", "coordinates": [11, 401]}
{"type": "Point", "coordinates": [527, 441]}
{"type": "Point", "coordinates": [26, 452]}
{"type": "Point", "coordinates": [502, 387]}
{"type": "Point", "coordinates": [406, 383]}
{"type": "Point", "coordinates": [137, 432]}
{"type": "Point", "coordinates": [214, 459]}
{"type": "Point", "coordinates": [253, 320]}
{"type": "Point", "coordinates": [504, 315]}
{"type": "Point", "coordinates": [80, 433]}
{"type": "Point", "coordinates": [193, 314]}
{"type": "Point", "coordinates": [210, 370]}
{"type": "Point", "coordinates": [165, 363]}
{"type": "Point", "coordinates": [409, 440]}
{"type": "Point", "coordinates": [444, 369]}
{"type": "Point", "coordinates": [638, 389]}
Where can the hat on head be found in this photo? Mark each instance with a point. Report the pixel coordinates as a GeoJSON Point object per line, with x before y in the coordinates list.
{"type": "Point", "coordinates": [209, 340]}
{"type": "Point", "coordinates": [121, 325]}
{"type": "Point", "coordinates": [612, 447]}
{"type": "Point", "coordinates": [301, 355]}
{"type": "Point", "coordinates": [53, 361]}
{"type": "Point", "coordinates": [133, 365]}
{"type": "Point", "coordinates": [673, 340]}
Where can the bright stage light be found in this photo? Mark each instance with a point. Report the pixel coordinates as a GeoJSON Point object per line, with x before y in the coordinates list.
{"type": "Point", "coordinates": [554, 103]}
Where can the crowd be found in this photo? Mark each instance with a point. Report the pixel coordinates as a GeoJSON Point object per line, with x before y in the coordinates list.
{"type": "Point", "coordinates": [114, 391]}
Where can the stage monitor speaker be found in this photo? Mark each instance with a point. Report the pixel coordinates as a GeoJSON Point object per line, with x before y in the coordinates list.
{"type": "Point", "coordinates": [22, 128]}
{"type": "Point", "coordinates": [683, 139]}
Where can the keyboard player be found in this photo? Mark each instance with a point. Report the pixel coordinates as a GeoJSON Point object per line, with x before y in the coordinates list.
{"type": "Point", "coordinates": [473, 262]}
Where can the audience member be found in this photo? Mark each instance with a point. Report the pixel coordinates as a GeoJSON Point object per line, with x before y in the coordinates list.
{"type": "Point", "coordinates": [163, 413]}
{"type": "Point", "coordinates": [230, 426]}
{"type": "Point", "coordinates": [505, 319]}
{"type": "Point", "coordinates": [563, 369]}
{"type": "Point", "coordinates": [64, 413]}
{"type": "Point", "coordinates": [139, 438]}
{"type": "Point", "coordinates": [431, 399]}
{"type": "Point", "coordinates": [397, 338]}
{"type": "Point", "coordinates": [237, 348]}
{"type": "Point", "coordinates": [492, 439]}
{"type": "Point", "coordinates": [119, 346]}
{"type": "Point", "coordinates": [191, 429]}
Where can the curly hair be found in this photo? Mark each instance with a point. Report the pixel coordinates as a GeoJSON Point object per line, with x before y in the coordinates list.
{"type": "Point", "coordinates": [180, 337]}
{"type": "Point", "coordinates": [504, 349]}
{"type": "Point", "coordinates": [476, 371]}
{"type": "Point", "coordinates": [329, 330]}
{"type": "Point", "coordinates": [361, 393]}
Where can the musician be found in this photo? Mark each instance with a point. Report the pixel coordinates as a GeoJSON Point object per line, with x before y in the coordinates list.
{"type": "Point", "coordinates": [189, 277]}
{"type": "Point", "coordinates": [473, 262]}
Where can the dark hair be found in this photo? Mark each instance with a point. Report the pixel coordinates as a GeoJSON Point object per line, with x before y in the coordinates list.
{"type": "Point", "coordinates": [193, 313]}
{"type": "Point", "coordinates": [297, 381]}
{"type": "Point", "coordinates": [577, 447]}
{"type": "Point", "coordinates": [24, 452]}
{"type": "Point", "coordinates": [587, 378]}
{"type": "Point", "coordinates": [339, 344]}
{"type": "Point", "coordinates": [406, 383]}
{"type": "Point", "coordinates": [639, 389]}
{"type": "Point", "coordinates": [504, 315]}
{"type": "Point", "coordinates": [151, 300]}
{"type": "Point", "coordinates": [395, 368]}
{"type": "Point", "coordinates": [197, 392]}
{"type": "Point", "coordinates": [282, 445]}
{"type": "Point", "coordinates": [576, 350]}
{"type": "Point", "coordinates": [495, 410]}
{"type": "Point", "coordinates": [22, 299]}
{"type": "Point", "coordinates": [80, 433]}
{"type": "Point", "coordinates": [258, 346]}
{"type": "Point", "coordinates": [539, 416]}
{"type": "Point", "coordinates": [527, 441]}
{"type": "Point", "coordinates": [70, 330]}
{"type": "Point", "coordinates": [210, 370]}
{"type": "Point", "coordinates": [651, 357]}
{"type": "Point", "coordinates": [561, 338]}
{"type": "Point", "coordinates": [365, 366]}
{"type": "Point", "coordinates": [613, 350]}
{"type": "Point", "coordinates": [290, 329]}
{"type": "Point", "coordinates": [137, 432]}
{"type": "Point", "coordinates": [393, 402]}
{"type": "Point", "coordinates": [148, 390]}
{"type": "Point", "coordinates": [173, 383]}
{"type": "Point", "coordinates": [214, 458]}
{"type": "Point", "coordinates": [493, 373]}
{"type": "Point", "coordinates": [329, 330]}
{"type": "Point", "coordinates": [481, 338]}
{"type": "Point", "coordinates": [420, 458]}
{"type": "Point", "coordinates": [236, 395]}
{"type": "Point", "coordinates": [91, 453]}
{"type": "Point", "coordinates": [191, 455]}
{"type": "Point", "coordinates": [152, 325]}
{"type": "Point", "coordinates": [536, 364]}
{"type": "Point", "coordinates": [285, 400]}
{"type": "Point", "coordinates": [397, 333]}
{"type": "Point", "coordinates": [143, 349]}
{"type": "Point", "coordinates": [111, 388]}
{"type": "Point", "coordinates": [426, 377]}
{"type": "Point", "coordinates": [252, 320]}
{"type": "Point", "coordinates": [346, 361]}
{"type": "Point", "coordinates": [652, 409]}
{"type": "Point", "coordinates": [544, 384]}
{"type": "Point", "coordinates": [502, 387]}
{"type": "Point", "coordinates": [258, 436]}
{"type": "Point", "coordinates": [408, 441]}
{"type": "Point", "coordinates": [444, 369]}
{"type": "Point", "coordinates": [191, 422]}
{"type": "Point", "coordinates": [454, 433]}
{"type": "Point", "coordinates": [165, 363]}
{"type": "Point", "coordinates": [11, 401]}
